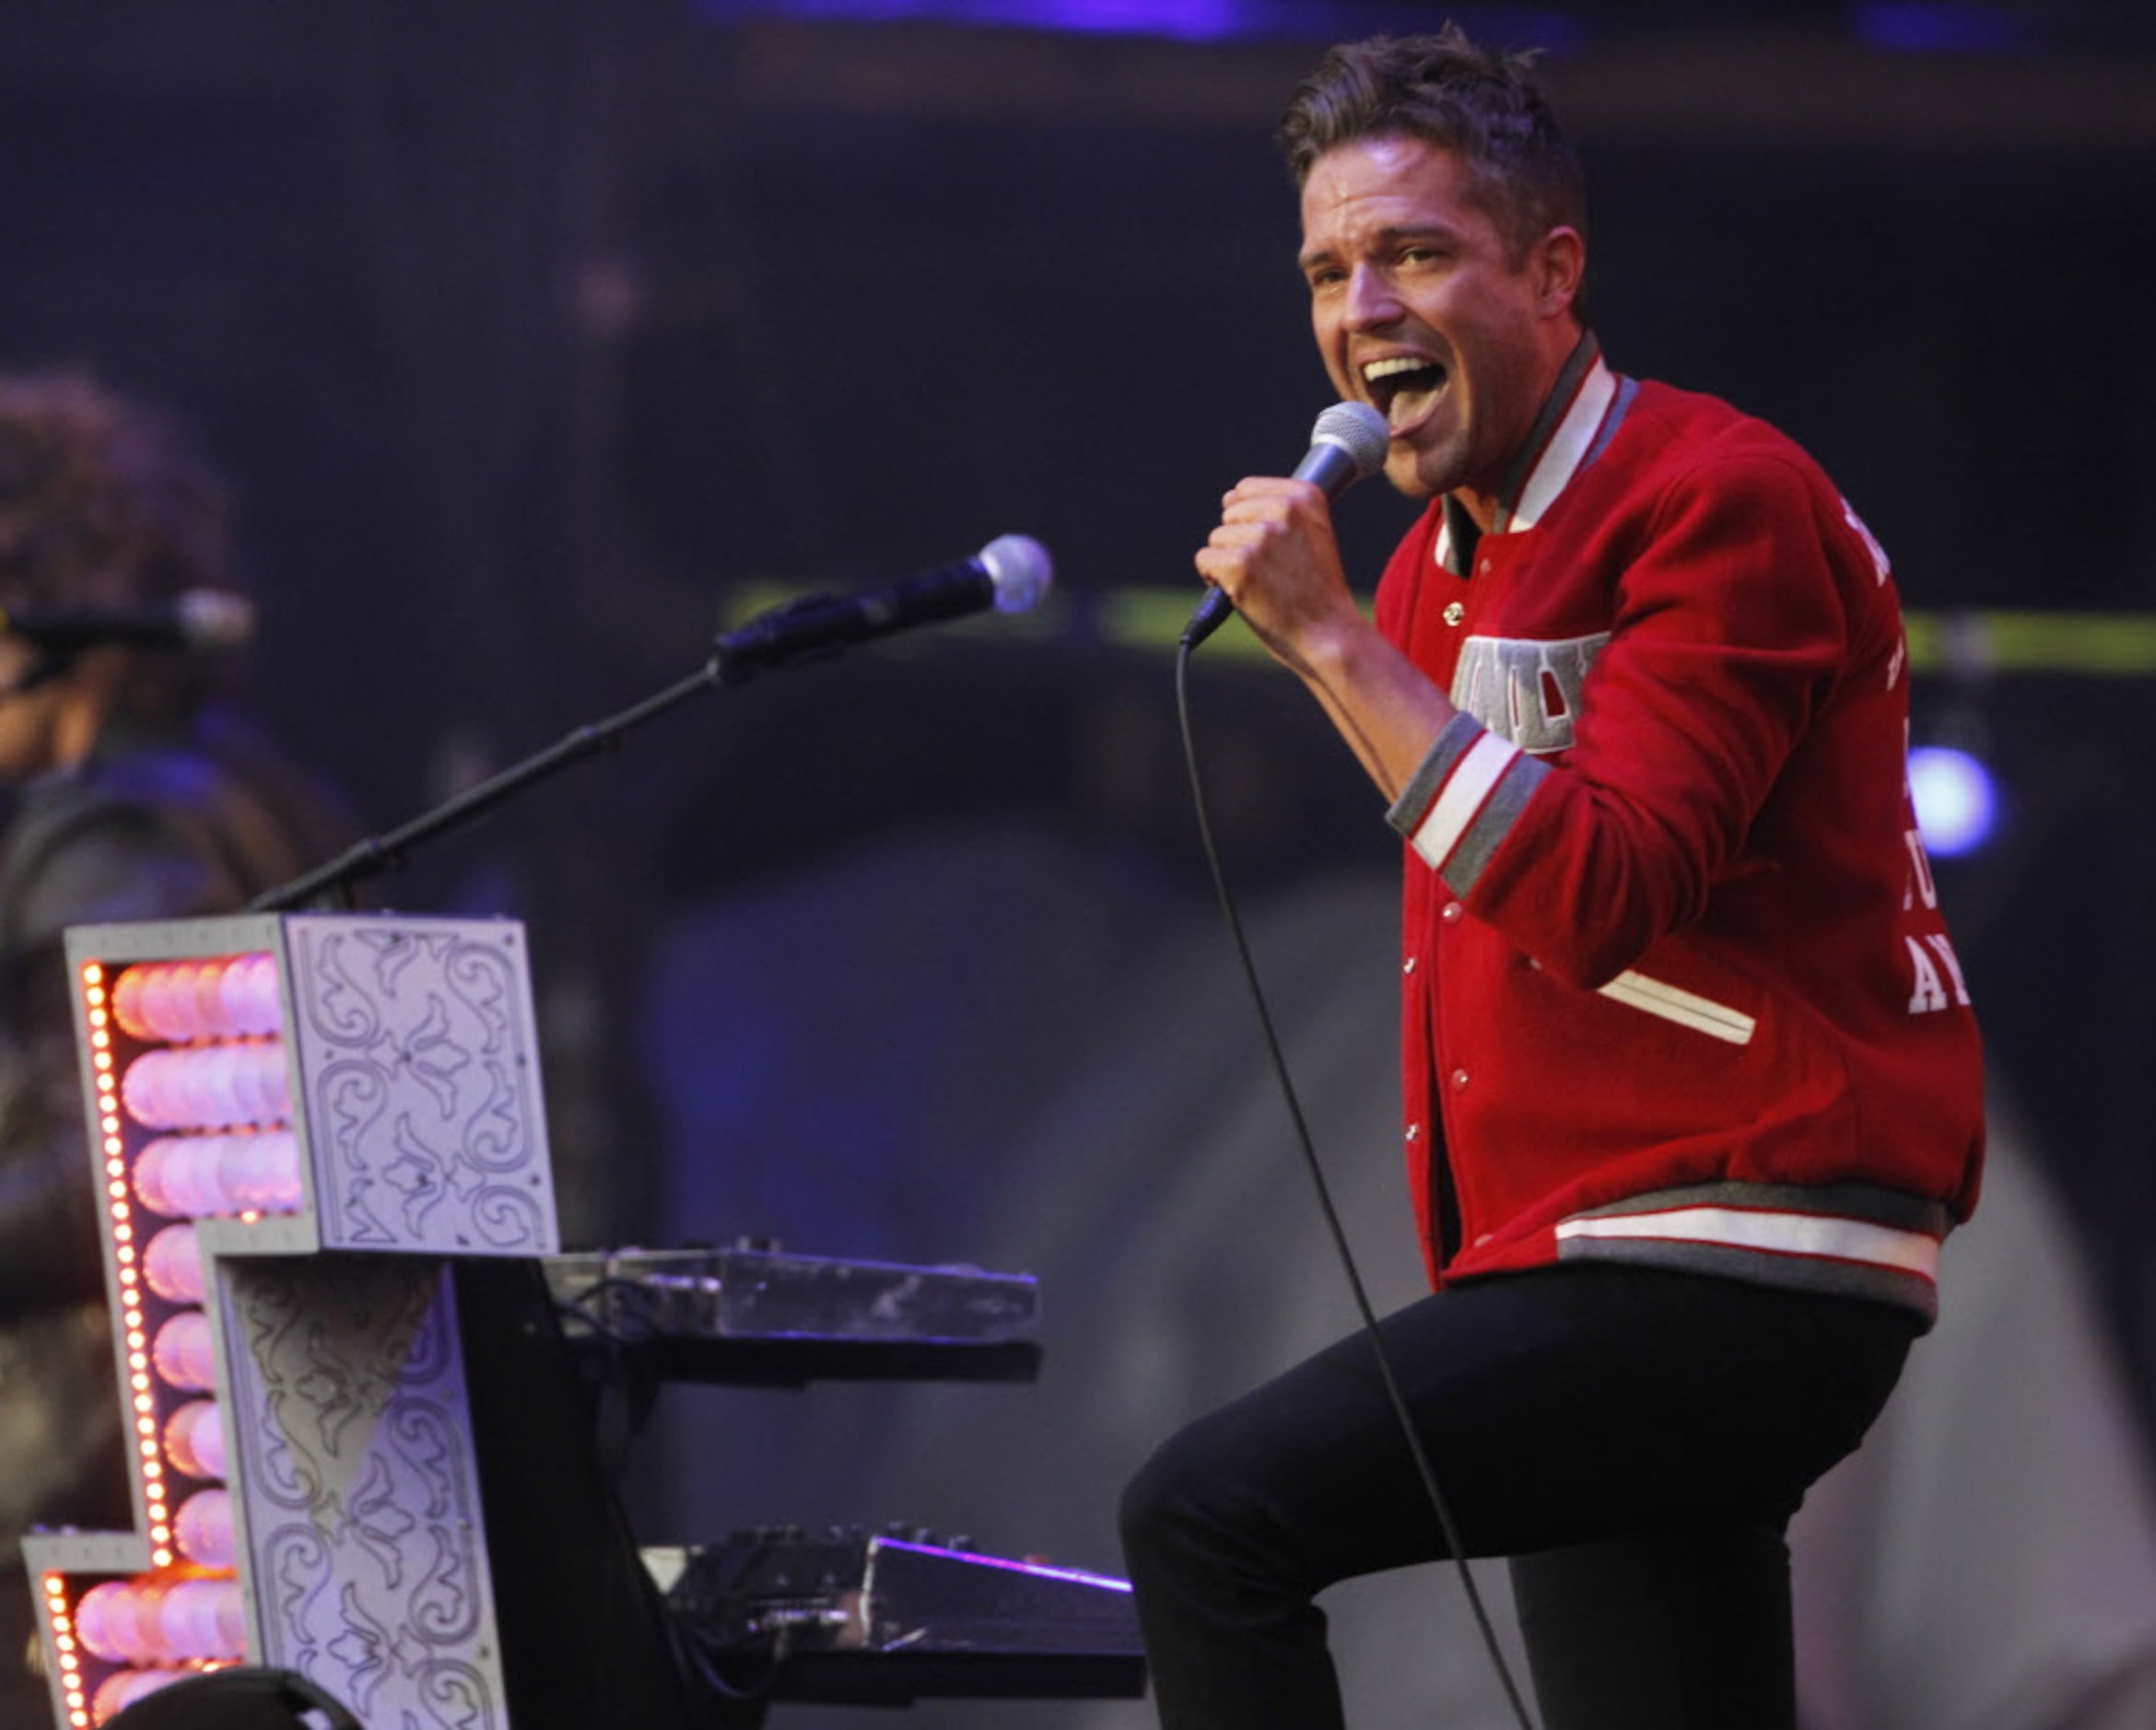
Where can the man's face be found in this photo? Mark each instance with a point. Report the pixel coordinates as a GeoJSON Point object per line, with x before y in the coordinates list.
{"type": "Point", "coordinates": [1420, 310]}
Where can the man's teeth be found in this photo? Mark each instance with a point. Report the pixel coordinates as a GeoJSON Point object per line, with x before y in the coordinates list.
{"type": "Point", "coordinates": [1378, 369]}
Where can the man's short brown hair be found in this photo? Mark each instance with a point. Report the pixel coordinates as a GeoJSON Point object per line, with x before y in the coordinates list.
{"type": "Point", "coordinates": [1489, 109]}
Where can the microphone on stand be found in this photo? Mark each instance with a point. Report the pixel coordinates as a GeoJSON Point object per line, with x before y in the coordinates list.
{"type": "Point", "coordinates": [1347, 445]}
{"type": "Point", "coordinates": [197, 619]}
{"type": "Point", "coordinates": [1010, 574]}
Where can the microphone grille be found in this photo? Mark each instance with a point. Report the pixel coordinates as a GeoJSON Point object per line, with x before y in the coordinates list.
{"type": "Point", "coordinates": [1358, 430]}
{"type": "Point", "coordinates": [1020, 569]}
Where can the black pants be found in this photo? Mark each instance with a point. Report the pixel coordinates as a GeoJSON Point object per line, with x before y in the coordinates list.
{"type": "Point", "coordinates": [1637, 1440]}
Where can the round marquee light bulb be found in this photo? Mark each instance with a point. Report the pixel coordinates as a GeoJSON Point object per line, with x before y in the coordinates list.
{"type": "Point", "coordinates": [99, 1617]}
{"type": "Point", "coordinates": [201, 1621]}
{"type": "Point", "coordinates": [204, 1530]}
{"type": "Point", "coordinates": [123, 1689]}
{"type": "Point", "coordinates": [195, 1439]}
{"type": "Point", "coordinates": [184, 1355]}
{"type": "Point", "coordinates": [249, 995]}
{"type": "Point", "coordinates": [173, 1265]}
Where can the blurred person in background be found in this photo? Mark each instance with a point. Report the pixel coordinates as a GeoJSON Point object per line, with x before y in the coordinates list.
{"type": "Point", "coordinates": [130, 788]}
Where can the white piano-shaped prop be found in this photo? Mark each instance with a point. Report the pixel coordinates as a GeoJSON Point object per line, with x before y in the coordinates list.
{"type": "Point", "coordinates": [360, 1444]}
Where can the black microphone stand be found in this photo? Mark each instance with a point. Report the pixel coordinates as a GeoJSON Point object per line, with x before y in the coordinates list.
{"type": "Point", "coordinates": [735, 658]}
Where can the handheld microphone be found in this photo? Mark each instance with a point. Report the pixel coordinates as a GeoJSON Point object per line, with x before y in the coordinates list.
{"type": "Point", "coordinates": [197, 619]}
{"type": "Point", "coordinates": [1347, 445]}
{"type": "Point", "coordinates": [1010, 574]}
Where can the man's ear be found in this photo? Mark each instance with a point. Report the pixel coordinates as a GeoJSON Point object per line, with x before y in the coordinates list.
{"type": "Point", "coordinates": [1559, 262]}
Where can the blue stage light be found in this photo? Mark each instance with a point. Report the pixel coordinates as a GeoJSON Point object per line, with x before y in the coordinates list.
{"type": "Point", "coordinates": [1957, 803]}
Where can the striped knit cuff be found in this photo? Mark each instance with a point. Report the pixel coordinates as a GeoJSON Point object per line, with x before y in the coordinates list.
{"type": "Point", "coordinates": [1848, 1240]}
{"type": "Point", "coordinates": [1463, 801]}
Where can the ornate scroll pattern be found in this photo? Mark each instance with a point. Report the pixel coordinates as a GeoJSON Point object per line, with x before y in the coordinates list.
{"type": "Point", "coordinates": [419, 1069]}
{"type": "Point", "coordinates": [361, 1497]}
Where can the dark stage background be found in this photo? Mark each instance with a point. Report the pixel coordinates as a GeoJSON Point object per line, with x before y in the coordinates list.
{"type": "Point", "coordinates": [540, 339]}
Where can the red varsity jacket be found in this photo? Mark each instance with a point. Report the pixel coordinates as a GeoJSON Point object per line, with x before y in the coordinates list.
{"type": "Point", "coordinates": [1676, 987]}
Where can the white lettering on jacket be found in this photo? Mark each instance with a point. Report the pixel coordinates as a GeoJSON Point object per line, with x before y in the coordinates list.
{"type": "Point", "coordinates": [1871, 545]}
{"type": "Point", "coordinates": [1526, 692]}
{"type": "Point", "coordinates": [1938, 986]}
{"type": "Point", "coordinates": [1922, 887]}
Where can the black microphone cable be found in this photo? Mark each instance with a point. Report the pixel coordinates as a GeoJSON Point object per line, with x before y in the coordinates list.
{"type": "Point", "coordinates": [1324, 1191]}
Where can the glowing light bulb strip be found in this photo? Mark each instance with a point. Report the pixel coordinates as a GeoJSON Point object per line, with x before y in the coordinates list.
{"type": "Point", "coordinates": [71, 1683]}
{"type": "Point", "coordinates": [181, 1615]}
{"type": "Point", "coordinates": [183, 1002]}
{"type": "Point", "coordinates": [223, 1081]}
{"type": "Point", "coordinates": [124, 1638]}
{"type": "Point", "coordinates": [191, 1112]}
{"type": "Point", "coordinates": [134, 1315]}
{"type": "Point", "coordinates": [205, 1031]}
{"type": "Point", "coordinates": [210, 1177]}
{"type": "Point", "coordinates": [236, 1084]}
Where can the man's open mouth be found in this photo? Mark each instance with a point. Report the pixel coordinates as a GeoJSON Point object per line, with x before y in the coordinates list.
{"type": "Point", "coordinates": [1404, 387]}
